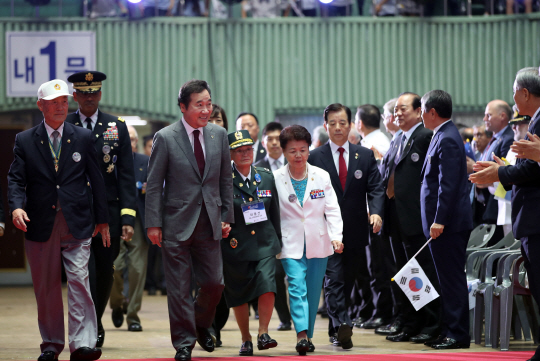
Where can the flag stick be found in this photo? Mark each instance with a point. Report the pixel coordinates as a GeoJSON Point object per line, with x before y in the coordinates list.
{"type": "Point", "coordinates": [420, 250]}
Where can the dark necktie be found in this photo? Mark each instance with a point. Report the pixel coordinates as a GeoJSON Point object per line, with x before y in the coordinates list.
{"type": "Point", "coordinates": [56, 141]}
{"type": "Point", "coordinates": [197, 149]}
{"type": "Point", "coordinates": [342, 168]}
{"type": "Point", "coordinates": [401, 149]}
{"type": "Point", "coordinates": [88, 123]}
{"type": "Point", "coordinates": [247, 182]}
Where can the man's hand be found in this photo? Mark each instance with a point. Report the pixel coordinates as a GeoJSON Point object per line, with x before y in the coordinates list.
{"type": "Point", "coordinates": [19, 217]}
{"type": "Point", "coordinates": [376, 221]}
{"type": "Point", "coordinates": [470, 165]}
{"type": "Point", "coordinates": [127, 232]}
{"type": "Point", "coordinates": [436, 230]}
{"type": "Point", "coordinates": [103, 228]}
{"type": "Point", "coordinates": [154, 233]}
{"type": "Point", "coordinates": [338, 246]}
{"type": "Point", "coordinates": [1, 231]}
{"type": "Point", "coordinates": [376, 153]}
{"type": "Point", "coordinates": [528, 149]}
{"type": "Point", "coordinates": [225, 229]}
{"type": "Point", "coordinates": [486, 172]}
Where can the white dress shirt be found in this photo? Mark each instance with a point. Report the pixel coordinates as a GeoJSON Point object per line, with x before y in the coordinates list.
{"type": "Point", "coordinates": [439, 127]}
{"type": "Point", "coordinates": [255, 148]}
{"type": "Point", "coordinates": [189, 130]}
{"type": "Point", "coordinates": [50, 130]}
{"type": "Point", "coordinates": [377, 140]}
{"type": "Point", "coordinates": [274, 162]}
{"type": "Point", "coordinates": [335, 153]}
{"type": "Point", "coordinates": [83, 119]}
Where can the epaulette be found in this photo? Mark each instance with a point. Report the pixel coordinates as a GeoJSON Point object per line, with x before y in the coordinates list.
{"type": "Point", "coordinates": [121, 119]}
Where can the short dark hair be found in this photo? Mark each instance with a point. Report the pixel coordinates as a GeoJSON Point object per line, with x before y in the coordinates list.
{"type": "Point", "coordinates": [417, 101]}
{"type": "Point", "coordinates": [294, 132]}
{"type": "Point", "coordinates": [270, 127]}
{"type": "Point", "coordinates": [370, 115]}
{"type": "Point", "coordinates": [216, 110]}
{"type": "Point", "coordinates": [439, 100]}
{"type": "Point", "coordinates": [336, 107]}
{"type": "Point", "coordinates": [146, 138]}
{"type": "Point", "coordinates": [191, 87]}
{"type": "Point", "coordinates": [248, 113]}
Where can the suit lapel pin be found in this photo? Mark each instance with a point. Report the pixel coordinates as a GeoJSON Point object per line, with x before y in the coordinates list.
{"type": "Point", "coordinates": [241, 184]}
{"type": "Point", "coordinates": [100, 124]}
{"type": "Point", "coordinates": [356, 156]}
{"type": "Point", "coordinates": [212, 136]}
{"type": "Point", "coordinates": [140, 169]}
{"type": "Point", "coordinates": [41, 142]}
{"type": "Point", "coordinates": [262, 150]}
{"type": "Point", "coordinates": [312, 179]}
{"type": "Point", "coordinates": [77, 123]}
{"type": "Point", "coordinates": [69, 140]}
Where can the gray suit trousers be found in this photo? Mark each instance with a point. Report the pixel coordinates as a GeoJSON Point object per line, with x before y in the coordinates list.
{"type": "Point", "coordinates": [44, 259]}
{"type": "Point", "coordinates": [203, 252]}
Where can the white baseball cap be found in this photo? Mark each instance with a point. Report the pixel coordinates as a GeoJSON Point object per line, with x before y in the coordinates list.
{"type": "Point", "coordinates": [53, 89]}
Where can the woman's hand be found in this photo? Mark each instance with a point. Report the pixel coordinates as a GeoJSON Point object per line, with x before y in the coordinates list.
{"type": "Point", "coordinates": [338, 246]}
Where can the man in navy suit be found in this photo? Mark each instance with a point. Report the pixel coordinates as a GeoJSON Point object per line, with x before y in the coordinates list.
{"type": "Point", "coordinates": [355, 177]}
{"type": "Point", "coordinates": [54, 186]}
{"type": "Point", "coordinates": [496, 118]}
{"type": "Point", "coordinates": [446, 216]}
{"type": "Point", "coordinates": [523, 179]}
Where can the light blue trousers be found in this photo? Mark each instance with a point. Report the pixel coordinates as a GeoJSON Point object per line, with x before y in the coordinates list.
{"type": "Point", "coordinates": [305, 278]}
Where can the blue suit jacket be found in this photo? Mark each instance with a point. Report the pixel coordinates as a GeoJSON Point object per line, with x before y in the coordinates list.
{"type": "Point", "coordinates": [524, 180]}
{"type": "Point", "coordinates": [140, 168]}
{"type": "Point", "coordinates": [352, 199]}
{"type": "Point", "coordinates": [35, 186]}
{"type": "Point", "coordinates": [444, 198]}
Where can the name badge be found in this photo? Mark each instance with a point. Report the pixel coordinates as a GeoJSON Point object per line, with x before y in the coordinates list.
{"type": "Point", "coordinates": [254, 212]}
{"type": "Point", "coordinates": [264, 193]}
{"type": "Point", "coordinates": [316, 193]}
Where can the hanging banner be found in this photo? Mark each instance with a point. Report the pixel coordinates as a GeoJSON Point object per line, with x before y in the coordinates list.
{"type": "Point", "coordinates": [35, 57]}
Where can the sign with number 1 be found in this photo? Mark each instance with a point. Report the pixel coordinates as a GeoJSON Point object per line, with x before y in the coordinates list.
{"type": "Point", "coordinates": [34, 57]}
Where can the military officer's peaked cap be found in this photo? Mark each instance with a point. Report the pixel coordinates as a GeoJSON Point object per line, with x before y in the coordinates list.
{"type": "Point", "coordinates": [518, 118]}
{"type": "Point", "coordinates": [239, 139]}
{"type": "Point", "coordinates": [87, 81]}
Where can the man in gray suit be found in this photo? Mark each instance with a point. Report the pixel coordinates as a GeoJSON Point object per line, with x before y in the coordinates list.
{"type": "Point", "coordinates": [188, 210]}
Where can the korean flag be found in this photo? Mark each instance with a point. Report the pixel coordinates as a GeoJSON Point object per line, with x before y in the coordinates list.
{"type": "Point", "coordinates": [414, 282]}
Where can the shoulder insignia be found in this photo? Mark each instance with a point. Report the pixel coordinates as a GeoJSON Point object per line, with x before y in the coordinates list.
{"type": "Point", "coordinates": [121, 119]}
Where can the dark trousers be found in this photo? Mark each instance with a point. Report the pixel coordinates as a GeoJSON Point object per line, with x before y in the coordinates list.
{"type": "Point", "coordinates": [342, 271]}
{"type": "Point", "coordinates": [280, 303]}
{"type": "Point", "coordinates": [382, 269]}
{"type": "Point", "coordinates": [449, 256]}
{"type": "Point", "coordinates": [199, 255]}
{"type": "Point", "coordinates": [155, 277]}
{"type": "Point", "coordinates": [101, 272]}
{"type": "Point", "coordinates": [530, 249]}
{"type": "Point", "coordinates": [221, 317]}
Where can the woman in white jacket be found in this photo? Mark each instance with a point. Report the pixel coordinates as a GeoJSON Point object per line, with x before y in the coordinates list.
{"type": "Point", "coordinates": [311, 228]}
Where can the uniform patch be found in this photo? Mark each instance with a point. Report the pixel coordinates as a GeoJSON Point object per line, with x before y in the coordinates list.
{"type": "Point", "coordinates": [264, 193]}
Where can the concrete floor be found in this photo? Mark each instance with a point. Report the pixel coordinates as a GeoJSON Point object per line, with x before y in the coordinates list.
{"type": "Point", "coordinates": [20, 339]}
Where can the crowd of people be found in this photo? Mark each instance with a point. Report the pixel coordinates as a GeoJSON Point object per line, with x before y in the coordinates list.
{"type": "Point", "coordinates": [239, 221]}
{"type": "Point", "coordinates": [302, 8]}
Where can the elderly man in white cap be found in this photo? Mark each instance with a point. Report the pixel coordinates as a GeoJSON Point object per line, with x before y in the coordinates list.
{"type": "Point", "coordinates": [53, 182]}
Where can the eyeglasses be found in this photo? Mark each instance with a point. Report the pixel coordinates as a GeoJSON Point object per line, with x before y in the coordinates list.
{"type": "Point", "coordinates": [243, 151]}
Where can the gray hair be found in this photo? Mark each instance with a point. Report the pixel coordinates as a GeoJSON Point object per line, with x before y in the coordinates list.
{"type": "Point", "coordinates": [528, 78]}
{"type": "Point", "coordinates": [390, 105]}
{"type": "Point", "coordinates": [320, 134]}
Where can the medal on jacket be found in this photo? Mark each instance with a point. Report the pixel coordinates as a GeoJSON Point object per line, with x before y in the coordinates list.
{"type": "Point", "coordinates": [233, 243]}
{"type": "Point", "coordinates": [257, 177]}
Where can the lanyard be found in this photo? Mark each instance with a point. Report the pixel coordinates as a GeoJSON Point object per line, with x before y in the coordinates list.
{"type": "Point", "coordinates": [56, 156]}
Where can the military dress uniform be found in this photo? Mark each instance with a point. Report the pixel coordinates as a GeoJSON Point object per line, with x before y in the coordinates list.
{"type": "Point", "coordinates": [115, 159]}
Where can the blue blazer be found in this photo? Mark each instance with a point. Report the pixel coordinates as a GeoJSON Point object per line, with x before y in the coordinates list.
{"type": "Point", "coordinates": [524, 180]}
{"type": "Point", "coordinates": [444, 198]}
{"type": "Point", "coordinates": [35, 186]}
{"type": "Point", "coordinates": [140, 169]}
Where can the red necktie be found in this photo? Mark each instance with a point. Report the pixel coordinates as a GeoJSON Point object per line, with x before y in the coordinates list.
{"type": "Point", "coordinates": [342, 168]}
{"type": "Point", "coordinates": [197, 149]}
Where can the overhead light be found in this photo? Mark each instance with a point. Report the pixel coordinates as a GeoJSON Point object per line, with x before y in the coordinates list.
{"type": "Point", "coordinates": [134, 120]}
{"type": "Point", "coordinates": [326, 1]}
{"type": "Point", "coordinates": [134, 1]}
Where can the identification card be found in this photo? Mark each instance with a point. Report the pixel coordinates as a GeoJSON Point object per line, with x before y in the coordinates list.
{"type": "Point", "coordinates": [316, 193]}
{"type": "Point", "coordinates": [254, 212]}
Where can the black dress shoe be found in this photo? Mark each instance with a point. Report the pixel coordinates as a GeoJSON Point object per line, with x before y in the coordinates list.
{"type": "Point", "coordinates": [246, 349]}
{"type": "Point", "coordinates": [450, 344]}
{"type": "Point", "coordinates": [152, 292]}
{"type": "Point", "coordinates": [302, 347]}
{"type": "Point", "coordinates": [164, 292]}
{"type": "Point", "coordinates": [423, 337]}
{"type": "Point", "coordinates": [205, 340]}
{"type": "Point", "coordinates": [358, 321]}
{"type": "Point", "coordinates": [264, 342]}
{"type": "Point", "coordinates": [183, 354]}
{"type": "Point", "coordinates": [219, 343]}
{"type": "Point", "coordinates": [48, 356]}
{"type": "Point", "coordinates": [85, 354]}
{"type": "Point", "coordinates": [392, 329]}
{"type": "Point", "coordinates": [135, 327]}
{"type": "Point", "coordinates": [117, 317]}
{"type": "Point", "coordinates": [311, 346]}
{"type": "Point", "coordinates": [400, 337]}
{"type": "Point", "coordinates": [100, 338]}
{"type": "Point", "coordinates": [284, 326]}
{"type": "Point", "coordinates": [344, 334]}
{"type": "Point", "coordinates": [373, 323]}
{"type": "Point", "coordinates": [334, 341]}
{"type": "Point", "coordinates": [439, 339]}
